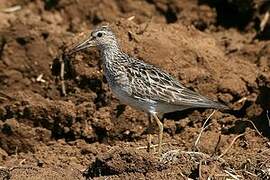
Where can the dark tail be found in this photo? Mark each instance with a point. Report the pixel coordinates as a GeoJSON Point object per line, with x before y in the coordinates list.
{"type": "Point", "coordinates": [217, 105]}
{"type": "Point", "coordinates": [207, 103]}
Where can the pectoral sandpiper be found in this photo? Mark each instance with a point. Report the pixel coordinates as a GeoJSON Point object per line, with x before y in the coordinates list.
{"type": "Point", "coordinates": [141, 85]}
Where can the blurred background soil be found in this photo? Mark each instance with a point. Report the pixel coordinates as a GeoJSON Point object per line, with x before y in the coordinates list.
{"type": "Point", "coordinates": [219, 48]}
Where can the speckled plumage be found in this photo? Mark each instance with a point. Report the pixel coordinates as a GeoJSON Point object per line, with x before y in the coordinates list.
{"type": "Point", "coordinates": [139, 84]}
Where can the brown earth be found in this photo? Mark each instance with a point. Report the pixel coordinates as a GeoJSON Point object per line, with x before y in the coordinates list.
{"type": "Point", "coordinates": [214, 47]}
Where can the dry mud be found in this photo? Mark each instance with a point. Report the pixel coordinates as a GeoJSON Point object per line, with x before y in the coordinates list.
{"type": "Point", "coordinates": [213, 47]}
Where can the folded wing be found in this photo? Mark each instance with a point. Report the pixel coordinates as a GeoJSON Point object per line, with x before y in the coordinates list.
{"type": "Point", "coordinates": [149, 82]}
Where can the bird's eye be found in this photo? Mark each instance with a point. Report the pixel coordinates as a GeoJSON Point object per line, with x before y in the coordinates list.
{"type": "Point", "coordinates": [99, 34]}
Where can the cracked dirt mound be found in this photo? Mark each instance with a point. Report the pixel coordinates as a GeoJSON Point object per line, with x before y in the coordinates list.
{"type": "Point", "coordinates": [87, 134]}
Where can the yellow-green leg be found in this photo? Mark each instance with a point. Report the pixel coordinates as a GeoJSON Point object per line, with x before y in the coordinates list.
{"type": "Point", "coordinates": [149, 142]}
{"type": "Point", "coordinates": [149, 136]}
{"type": "Point", "coordinates": [160, 134]}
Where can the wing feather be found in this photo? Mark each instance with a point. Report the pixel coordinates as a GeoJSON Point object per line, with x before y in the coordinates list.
{"type": "Point", "coordinates": [147, 82]}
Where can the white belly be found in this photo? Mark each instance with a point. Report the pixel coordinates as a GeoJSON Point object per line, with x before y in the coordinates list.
{"type": "Point", "coordinates": [148, 106]}
{"type": "Point", "coordinates": [125, 98]}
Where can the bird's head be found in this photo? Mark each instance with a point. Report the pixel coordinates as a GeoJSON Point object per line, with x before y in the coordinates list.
{"type": "Point", "coordinates": [101, 37]}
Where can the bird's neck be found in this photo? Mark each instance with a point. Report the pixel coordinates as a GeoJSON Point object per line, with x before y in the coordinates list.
{"type": "Point", "coordinates": [109, 61]}
{"type": "Point", "coordinates": [109, 54]}
{"type": "Point", "coordinates": [113, 67]}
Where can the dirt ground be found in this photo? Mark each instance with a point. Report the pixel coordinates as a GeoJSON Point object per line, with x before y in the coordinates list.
{"type": "Point", "coordinates": [218, 48]}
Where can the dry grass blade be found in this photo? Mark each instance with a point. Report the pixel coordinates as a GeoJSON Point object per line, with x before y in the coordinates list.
{"type": "Point", "coordinates": [12, 9]}
{"type": "Point", "coordinates": [62, 72]}
{"type": "Point", "coordinates": [203, 128]}
{"type": "Point", "coordinates": [267, 115]}
{"type": "Point", "coordinates": [217, 144]}
{"type": "Point", "coordinates": [4, 96]}
{"type": "Point", "coordinates": [264, 21]}
{"type": "Point", "coordinates": [2, 99]}
{"type": "Point", "coordinates": [254, 175]}
{"type": "Point", "coordinates": [231, 175]}
{"type": "Point", "coordinates": [242, 100]}
{"type": "Point", "coordinates": [200, 169]}
{"type": "Point", "coordinates": [40, 78]}
{"type": "Point", "coordinates": [256, 129]}
{"type": "Point", "coordinates": [233, 141]}
{"type": "Point", "coordinates": [131, 18]}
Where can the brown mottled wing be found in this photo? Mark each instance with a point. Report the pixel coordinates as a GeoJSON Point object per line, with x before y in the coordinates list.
{"type": "Point", "coordinates": [146, 82]}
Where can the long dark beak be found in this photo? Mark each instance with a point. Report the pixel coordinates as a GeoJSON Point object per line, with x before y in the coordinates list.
{"type": "Point", "coordinates": [89, 42]}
